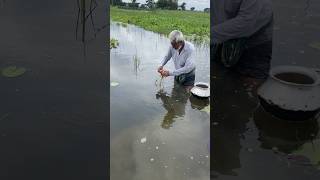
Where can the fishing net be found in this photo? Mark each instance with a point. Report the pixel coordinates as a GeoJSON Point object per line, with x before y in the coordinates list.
{"type": "Point", "coordinates": [229, 52]}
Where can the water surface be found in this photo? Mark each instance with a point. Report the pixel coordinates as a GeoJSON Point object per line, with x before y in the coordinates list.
{"type": "Point", "coordinates": [249, 143]}
{"type": "Point", "coordinates": [173, 123]}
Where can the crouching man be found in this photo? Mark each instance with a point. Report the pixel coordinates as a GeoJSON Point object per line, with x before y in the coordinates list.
{"type": "Point", "coordinates": [181, 52]}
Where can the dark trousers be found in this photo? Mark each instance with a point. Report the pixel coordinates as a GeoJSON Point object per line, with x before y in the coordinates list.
{"type": "Point", "coordinates": [186, 79]}
{"type": "Point", "coordinates": [255, 61]}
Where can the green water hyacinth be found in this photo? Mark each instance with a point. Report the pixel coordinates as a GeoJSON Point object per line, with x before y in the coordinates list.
{"type": "Point", "coordinates": [114, 43]}
{"type": "Point", "coordinates": [194, 25]}
{"type": "Point", "coordinates": [13, 71]}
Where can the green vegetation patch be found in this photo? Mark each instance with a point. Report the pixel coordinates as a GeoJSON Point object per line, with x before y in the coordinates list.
{"type": "Point", "coordinates": [13, 71]}
{"type": "Point", "coordinates": [315, 45]}
{"type": "Point", "coordinates": [195, 25]}
{"type": "Point", "coordinates": [114, 43]}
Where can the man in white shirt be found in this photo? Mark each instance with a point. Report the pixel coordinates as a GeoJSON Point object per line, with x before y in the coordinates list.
{"type": "Point", "coordinates": [181, 52]}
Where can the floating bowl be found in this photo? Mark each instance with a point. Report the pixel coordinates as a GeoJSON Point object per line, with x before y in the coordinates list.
{"type": "Point", "coordinates": [201, 90]}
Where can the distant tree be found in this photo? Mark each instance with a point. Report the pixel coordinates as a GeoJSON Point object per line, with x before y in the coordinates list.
{"type": "Point", "coordinates": [183, 6]}
{"type": "Point", "coordinates": [116, 2]}
{"type": "Point", "coordinates": [206, 10]}
{"type": "Point", "coordinates": [150, 4]}
{"type": "Point", "coordinates": [192, 9]}
{"type": "Point", "coordinates": [133, 4]}
{"type": "Point", "coordinates": [167, 4]}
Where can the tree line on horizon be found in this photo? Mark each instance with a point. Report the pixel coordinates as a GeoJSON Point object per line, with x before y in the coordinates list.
{"type": "Point", "coordinates": [151, 4]}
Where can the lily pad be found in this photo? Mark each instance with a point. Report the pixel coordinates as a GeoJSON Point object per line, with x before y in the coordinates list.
{"type": "Point", "coordinates": [206, 109]}
{"type": "Point", "coordinates": [13, 71]}
{"type": "Point", "coordinates": [315, 45]}
{"type": "Point", "coordinates": [114, 84]}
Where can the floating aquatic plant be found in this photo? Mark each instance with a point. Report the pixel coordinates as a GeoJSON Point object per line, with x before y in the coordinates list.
{"type": "Point", "coordinates": [13, 71]}
{"type": "Point", "coordinates": [315, 45]}
{"type": "Point", "coordinates": [114, 84]}
{"type": "Point", "coordinates": [114, 43]}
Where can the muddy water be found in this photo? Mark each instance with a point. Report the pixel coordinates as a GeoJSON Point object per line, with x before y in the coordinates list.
{"type": "Point", "coordinates": [53, 117]}
{"type": "Point", "coordinates": [249, 143]}
{"type": "Point", "coordinates": [157, 132]}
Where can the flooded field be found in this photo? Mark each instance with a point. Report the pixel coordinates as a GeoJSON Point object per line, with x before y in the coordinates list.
{"type": "Point", "coordinates": [249, 143]}
{"type": "Point", "coordinates": [157, 131]}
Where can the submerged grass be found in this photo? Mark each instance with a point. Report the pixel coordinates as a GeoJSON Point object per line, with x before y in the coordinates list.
{"type": "Point", "coordinates": [195, 25]}
{"type": "Point", "coordinates": [136, 64]}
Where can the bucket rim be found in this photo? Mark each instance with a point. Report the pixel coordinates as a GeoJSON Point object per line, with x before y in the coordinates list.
{"type": "Point", "coordinates": [313, 73]}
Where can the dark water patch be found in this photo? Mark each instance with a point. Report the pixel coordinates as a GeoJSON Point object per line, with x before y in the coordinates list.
{"type": "Point", "coordinates": [296, 78]}
{"type": "Point", "coordinates": [243, 135]}
{"type": "Point", "coordinates": [54, 114]}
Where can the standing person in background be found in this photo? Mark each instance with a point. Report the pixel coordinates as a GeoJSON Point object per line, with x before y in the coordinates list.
{"type": "Point", "coordinates": [242, 36]}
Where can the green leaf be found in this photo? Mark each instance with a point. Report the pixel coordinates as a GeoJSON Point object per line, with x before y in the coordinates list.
{"type": "Point", "coordinates": [13, 71]}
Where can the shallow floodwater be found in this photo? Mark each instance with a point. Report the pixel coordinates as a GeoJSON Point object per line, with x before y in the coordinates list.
{"type": "Point", "coordinates": [249, 143]}
{"type": "Point", "coordinates": [157, 132]}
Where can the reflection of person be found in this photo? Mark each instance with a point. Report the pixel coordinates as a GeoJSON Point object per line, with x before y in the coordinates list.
{"type": "Point", "coordinates": [174, 104]}
{"type": "Point", "coordinates": [197, 103]}
{"type": "Point", "coordinates": [231, 111]}
{"type": "Point", "coordinates": [244, 28]}
{"type": "Point", "coordinates": [181, 52]}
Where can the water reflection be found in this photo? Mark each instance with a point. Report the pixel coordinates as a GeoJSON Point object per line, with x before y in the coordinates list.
{"type": "Point", "coordinates": [2, 3]}
{"type": "Point", "coordinates": [175, 103]}
{"type": "Point", "coordinates": [247, 141]}
{"type": "Point", "coordinates": [83, 16]}
{"type": "Point", "coordinates": [245, 134]}
{"type": "Point", "coordinates": [230, 98]}
{"type": "Point", "coordinates": [283, 135]}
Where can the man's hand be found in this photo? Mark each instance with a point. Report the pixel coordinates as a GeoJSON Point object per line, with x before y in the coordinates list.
{"type": "Point", "coordinates": [165, 73]}
{"type": "Point", "coordinates": [160, 69]}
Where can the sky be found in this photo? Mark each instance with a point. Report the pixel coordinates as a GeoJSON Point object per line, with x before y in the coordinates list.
{"type": "Point", "coordinates": [198, 4]}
